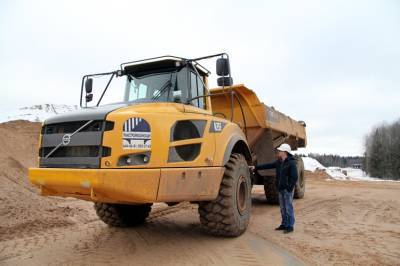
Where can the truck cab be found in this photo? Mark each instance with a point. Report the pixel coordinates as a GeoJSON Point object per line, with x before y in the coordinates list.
{"type": "Point", "coordinates": [158, 142]}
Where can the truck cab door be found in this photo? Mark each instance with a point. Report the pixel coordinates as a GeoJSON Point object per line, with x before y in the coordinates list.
{"type": "Point", "coordinates": [201, 109]}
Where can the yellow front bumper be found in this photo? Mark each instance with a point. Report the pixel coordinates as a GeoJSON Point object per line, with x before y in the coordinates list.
{"type": "Point", "coordinates": [129, 185]}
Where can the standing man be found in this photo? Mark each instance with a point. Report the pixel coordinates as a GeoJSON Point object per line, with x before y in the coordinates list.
{"type": "Point", "coordinates": [286, 177]}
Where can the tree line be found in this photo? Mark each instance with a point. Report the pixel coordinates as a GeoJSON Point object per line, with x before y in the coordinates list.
{"type": "Point", "coordinates": [337, 160]}
{"type": "Point", "coordinates": [382, 151]}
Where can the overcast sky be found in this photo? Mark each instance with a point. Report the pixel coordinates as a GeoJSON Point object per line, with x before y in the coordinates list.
{"type": "Point", "coordinates": [335, 65]}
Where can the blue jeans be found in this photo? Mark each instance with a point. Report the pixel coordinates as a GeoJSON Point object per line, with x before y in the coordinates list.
{"type": "Point", "coordinates": [286, 204]}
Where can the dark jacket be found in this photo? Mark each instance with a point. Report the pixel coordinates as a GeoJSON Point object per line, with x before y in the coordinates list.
{"type": "Point", "coordinates": [286, 172]}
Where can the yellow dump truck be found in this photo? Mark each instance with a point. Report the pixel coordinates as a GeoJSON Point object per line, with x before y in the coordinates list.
{"type": "Point", "coordinates": [168, 138]}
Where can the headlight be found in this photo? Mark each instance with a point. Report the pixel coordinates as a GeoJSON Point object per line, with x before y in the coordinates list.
{"type": "Point", "coordinates": [134, 159]}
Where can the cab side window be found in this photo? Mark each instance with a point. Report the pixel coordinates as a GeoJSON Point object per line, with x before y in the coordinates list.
{"type": "Point", "coordinates": [193, 89]}
{"type": "Point", "coordinates": [197, 89]}
{"type": "Point", "coordinates": [200, 90]}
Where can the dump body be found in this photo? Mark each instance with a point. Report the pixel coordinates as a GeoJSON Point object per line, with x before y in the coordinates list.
{"type": "Point", "coordinates": [265, 127]}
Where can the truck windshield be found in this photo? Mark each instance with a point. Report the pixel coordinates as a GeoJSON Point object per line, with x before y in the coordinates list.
{"type": "Point", "coordinates": [176, 85]}
{"type": "Point", "coordinates": [168, 86]}
{"type": "Point", "coordinates": [162, 87]}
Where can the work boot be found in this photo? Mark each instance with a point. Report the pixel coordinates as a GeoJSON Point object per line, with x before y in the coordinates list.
{"type": "Point", "coordinates": [288, 230]}
{"type": "Point", "coordinates": [281, 227]}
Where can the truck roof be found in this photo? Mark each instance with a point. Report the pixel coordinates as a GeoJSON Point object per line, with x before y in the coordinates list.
{"type": "Point", "coordinates": [160, 64]}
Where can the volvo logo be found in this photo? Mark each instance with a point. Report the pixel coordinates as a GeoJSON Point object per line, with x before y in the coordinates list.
{"type": "Point", "coordinates": [66, 139]}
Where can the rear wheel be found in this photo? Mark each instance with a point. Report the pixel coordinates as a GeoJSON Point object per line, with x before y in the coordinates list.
{"type": "Point", "coordinates": [270, 190]}
{"type": "Point", "coordinates": [300, 187]}
{"type": "Point", "coordinates": [121, 215]}
{"type": "Point", "coordinates": [229, 213]}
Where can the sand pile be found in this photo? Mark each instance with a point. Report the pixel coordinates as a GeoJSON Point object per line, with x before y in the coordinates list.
{"type": "Point", "coordinates": [22, 210]}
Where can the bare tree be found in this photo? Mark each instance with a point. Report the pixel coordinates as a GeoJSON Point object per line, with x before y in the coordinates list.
{"type": "Point", "coordinates": [382, 151]}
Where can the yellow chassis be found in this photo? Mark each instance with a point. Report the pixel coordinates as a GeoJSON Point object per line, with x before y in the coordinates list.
{"type": "Point", "coordinates": [130, 185]}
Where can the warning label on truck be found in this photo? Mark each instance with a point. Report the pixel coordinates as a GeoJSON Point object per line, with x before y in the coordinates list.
{"type": "Point", "coordinates": [136, 134]}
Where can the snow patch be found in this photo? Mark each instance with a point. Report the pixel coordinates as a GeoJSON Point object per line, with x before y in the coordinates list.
{"type": "Point", "coordinates": [352, 174]}
{"type": "Point", "coordinates": [310, 164]}
{"type": "Point", "coordinates": [338, 173]}
{"type": "Point", "coordinates": [36, 113]}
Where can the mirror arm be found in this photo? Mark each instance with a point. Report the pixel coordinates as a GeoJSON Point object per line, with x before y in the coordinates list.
{"type": "Point", "coordinates": [211, 56]}
{"type": "Point", "coordinates": [233, 95]}
{"type": "Point", "coordinates": [197, 97]}
{"type": "Point", "coordinates": [83, 82]}
{"type": "Point", "coordinates": [232, 92]}
{"type": "Point", "coordinates": [207, 95]}
{"type": "Point", "coordinates": [220, 93]}
{"type": "Point", "coordinates": [93, 75]}
{"type": "Point", "coordinates": [105, 89]}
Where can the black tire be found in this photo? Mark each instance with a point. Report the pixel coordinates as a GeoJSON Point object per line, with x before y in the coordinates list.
{"type": "Point", "coordinates": [229, 214]}
{"type": "Point", "coordinates": [121, 215]}
{"type": "Point", "coordinates": [270, 190]}
{"type": "Point", "coordinates": [300, 187]}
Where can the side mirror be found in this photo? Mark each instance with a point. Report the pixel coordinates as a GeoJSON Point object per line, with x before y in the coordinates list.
{"type": "Point", "coordinates": [224, 81]}
{"type": "Point", "coordinates": [223, 68]}
{"type": "Point", "coordinates": [177, 96]}
{"type": "Point", "coordinates": [89, 85]}
{"type": "Point", "coordinates": [89, 97]}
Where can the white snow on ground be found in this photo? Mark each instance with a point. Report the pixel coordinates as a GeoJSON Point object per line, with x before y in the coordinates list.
{"type": "Point", "coordinates": [338, 173]}
{"type": "Point", "coordinates": [352, 174]}
{"type": "Point", "coordinates": [310, 164]}
{"type": "Point", "coordinates": [36, 113]}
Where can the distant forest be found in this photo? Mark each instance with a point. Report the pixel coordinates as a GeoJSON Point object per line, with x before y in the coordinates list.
{"type": "Point", "coordinates": [339, 161]}
{"type": "Point", "coordinates": [382, 151]}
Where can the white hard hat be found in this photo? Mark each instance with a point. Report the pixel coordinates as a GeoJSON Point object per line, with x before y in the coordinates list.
{"type": "Point", "coordinates": [285, 147]}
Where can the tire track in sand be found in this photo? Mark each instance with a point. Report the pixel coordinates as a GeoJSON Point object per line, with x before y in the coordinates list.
{"type": "Point", "coordinates": [171, 236]}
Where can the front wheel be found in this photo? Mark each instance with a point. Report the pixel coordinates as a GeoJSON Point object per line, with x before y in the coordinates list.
{"type": "Point", "coordinates": [229, 213]}
{"type": "Point", "coordinates": [122, 215]}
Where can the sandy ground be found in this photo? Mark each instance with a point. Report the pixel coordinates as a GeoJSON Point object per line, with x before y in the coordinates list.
{"type": "Point", "coordinates": [338, 223]}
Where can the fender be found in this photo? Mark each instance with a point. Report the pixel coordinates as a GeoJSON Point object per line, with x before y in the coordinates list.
{"type": "Point", "coordinates": [237, 144]}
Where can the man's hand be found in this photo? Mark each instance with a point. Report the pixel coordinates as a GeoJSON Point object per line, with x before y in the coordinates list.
{"type": "Point", "coordinates": [252, 168]}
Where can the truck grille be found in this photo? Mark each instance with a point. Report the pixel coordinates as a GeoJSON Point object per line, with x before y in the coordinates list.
{"type": "Point", "coordinates": [70, 127]}
{"type": "Point", "coordinates": [76, 151]}
{"type": "Point", "coordinates": [84, 149]}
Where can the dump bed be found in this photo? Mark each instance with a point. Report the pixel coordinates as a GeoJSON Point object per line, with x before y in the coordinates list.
{"type": "Point", "coordinates": [260, 122]}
